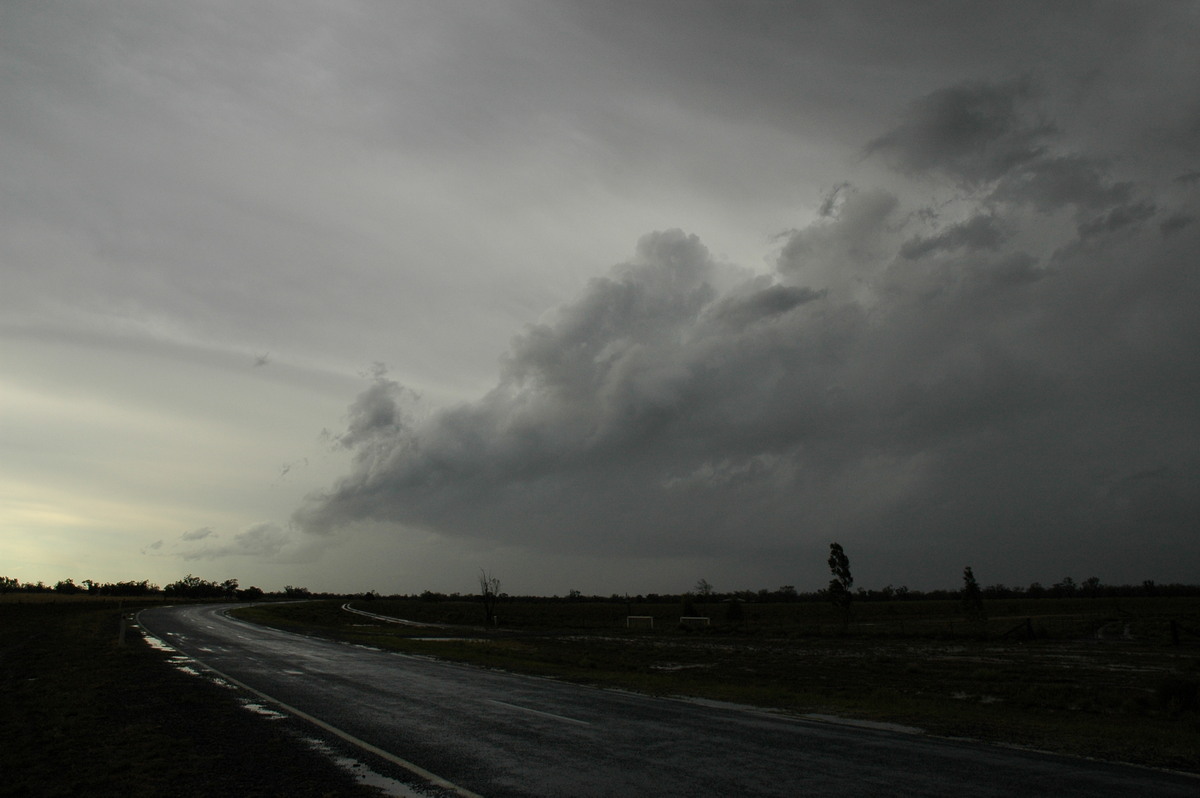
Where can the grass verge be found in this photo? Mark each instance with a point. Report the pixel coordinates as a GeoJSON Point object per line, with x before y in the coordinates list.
{"type": "Point", "coordinates": [82, 715]}
{"type": "Point", "coordinates": [1113, 699]}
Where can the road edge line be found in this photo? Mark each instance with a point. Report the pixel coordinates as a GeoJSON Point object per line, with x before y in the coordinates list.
{"type": "Point", "coordinates": [415, 769]}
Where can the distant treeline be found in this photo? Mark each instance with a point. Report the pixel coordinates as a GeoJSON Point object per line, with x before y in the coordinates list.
{"type": "Point", "coordinates": [1067, 588]}
{"type": "Point", "coordinates": [193, 587]}
{"type": "Point", "coordinates": [188, 587]}
{"type": "Point", "coordinates": [68, 587]}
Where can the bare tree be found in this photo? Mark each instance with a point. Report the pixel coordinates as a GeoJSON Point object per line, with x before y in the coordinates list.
{"type": "Point", "coordinates": [489, 591]}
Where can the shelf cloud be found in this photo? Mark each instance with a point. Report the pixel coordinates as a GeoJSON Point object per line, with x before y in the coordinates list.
{"type": "Point", "coordinates": [1004, 372]}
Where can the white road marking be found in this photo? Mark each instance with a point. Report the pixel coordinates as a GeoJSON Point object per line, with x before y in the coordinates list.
{"type": "Point", "coordinates": [417, 770]}
{"type": "Point", "coordinates": [389, 619]}
{"type": "Point", "coordinates": [539, 712]}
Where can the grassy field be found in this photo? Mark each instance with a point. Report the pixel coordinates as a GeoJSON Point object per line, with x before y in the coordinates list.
{"type": "Point", "coordinates": [82, 715]}
{"type": "Point", "coordinates": [1101, 678]}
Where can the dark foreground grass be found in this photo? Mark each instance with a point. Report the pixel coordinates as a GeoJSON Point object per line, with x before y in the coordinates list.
{"type": "Point", "coordinates": [1130, 695]}
{"type": "Point", "coordinates": [81, 715]}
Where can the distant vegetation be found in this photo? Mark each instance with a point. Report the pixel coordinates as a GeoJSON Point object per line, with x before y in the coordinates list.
{"type": "Point", "coordinates": [68, 587]}
{"type": "Point", "coordinates": [195, 587]}
{"type": "Point", "coordinates": [191, 587]}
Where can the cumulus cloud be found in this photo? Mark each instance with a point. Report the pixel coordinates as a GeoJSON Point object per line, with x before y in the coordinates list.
{"type": "Point", "coordinates": [842, 249]}
{"type": "Point", "coordinates": [933, 391]}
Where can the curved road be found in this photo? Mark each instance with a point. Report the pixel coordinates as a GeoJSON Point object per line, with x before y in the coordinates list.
{"type": "Point", "coordinates": [497, 734]}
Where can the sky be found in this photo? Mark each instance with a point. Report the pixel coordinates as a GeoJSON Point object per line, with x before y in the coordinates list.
{"type": "Point", "coordinates": [610, 297]}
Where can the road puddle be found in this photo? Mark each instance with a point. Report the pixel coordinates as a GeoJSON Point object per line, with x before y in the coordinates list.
{"type": "Point", "coordinates": [180, 661]}
{"type": "Point", "coordinates": [259, 709]}
{"type": "Point", "coordinates": [364, 774]}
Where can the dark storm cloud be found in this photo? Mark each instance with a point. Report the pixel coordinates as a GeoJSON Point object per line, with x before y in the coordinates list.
{"type": "Point", "coordinates": [1118, 217]}
{"type": "Point", "coordinates": [375, 413]}
{"type": "Point", "coordinates": [763, 304]}
{"type": "Point", "coordinates": [972, 132]}
{"type": "Point", "coordinates": [934, 396]}
{"type": "Point", "coordinates": [979, 232]}
{"type": "Point", "coordinates": [1175, 223]}
{"type": "Point", "coordinates": [991, 138]}
{"type": "Point", "coordinates": [1055, 182]}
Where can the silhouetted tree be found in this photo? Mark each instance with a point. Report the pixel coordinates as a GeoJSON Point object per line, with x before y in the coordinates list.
{"type": "Point", "coordinates": [1065, 588]}
{"type": "Point", "coordinates": [839, 586]}
{"type": "Point", "coordinates": [972, 596]}
{"type": "Point", "coordinates": [194, 587]}
{"type": "Point", "coordinates": [251, 593]}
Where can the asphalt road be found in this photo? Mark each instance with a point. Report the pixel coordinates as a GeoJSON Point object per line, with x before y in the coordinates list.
{"type": "Point", "coordinates": [498, 735]}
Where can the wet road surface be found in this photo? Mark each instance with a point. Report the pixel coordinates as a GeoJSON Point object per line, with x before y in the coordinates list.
{"type": "Point", "coordinates": [499, 735]}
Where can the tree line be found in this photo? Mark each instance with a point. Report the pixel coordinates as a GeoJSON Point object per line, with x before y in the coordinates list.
{"type": "Point", "coordinates": [192, 587]}
{"type": "Point", "coordinates": [704, 592]}
{"type": "Point", "coordinates": [788, 593]}
{"type": "Point", "coordinates": [90, 587]}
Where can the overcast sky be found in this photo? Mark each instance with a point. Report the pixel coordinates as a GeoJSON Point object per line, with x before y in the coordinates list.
{"type": "Point", "coordinates": [606, 296]}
